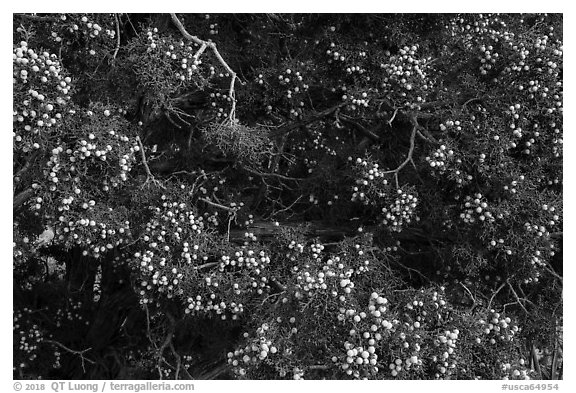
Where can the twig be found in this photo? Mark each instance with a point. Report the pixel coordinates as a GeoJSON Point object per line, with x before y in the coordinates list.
{"type": "Point", "coordinates": [167, 114]}
{"type": "Point", "coordinates": [178, 360]}
{"type": "Point", "coordinates": [186, 35]}
{"type": "Point", "coordinates": [272, 175]}
{"type": "Point", "coordinates": [131, 25]}
{"type": "Point", "coordinates": [469, 293]}
{"type": "Point", "coordinates": [310, 119]}
{"type": "Point", "coordinates": [412, 270]}
{"type": "Point", "coordinates": [361, 128]}
{"type": "Point", "coordinates": [148, 333]}
{"type": "Point", "coordinates": [75, 352]}
{"type": "Point", "coordinates": [26, 34]}
{"type": "Point", "coordinates": [494, 295]}
{"type": "Point", "coordinates": [408, 159]}
{"type": "Point", "coordinates": [207, 265]}
{"type": "Point", "coordinates": [471, 100]}
{"type": "Point", "coordinates": [182, 172]}
{"type": "Point", "coordinates": [167, 341]}
{"type": "Point", "coordinates": [550, 270]}
{"type": "Point", "coordinates": [287, 208]}
{"type": "Point", "coordinates": [201, 176]}
{"type": "Point", "coordinates": [230, 217]}
{"type": "Point", "coordinates": [179, 363]}
{"type": "Point", "coordinates": [393, 117]}
{"type": "Point", "coordinates": [422, 136]}
{"type": "Point", "coordinates": [200, 51]}
{"type": "Point", "coordinates": [519, 301]}
{"type": "Point", "coordinates": [149, 176]}
{"type": "Point", "coordinates": [219, 206]}
{"type": "Point", "coordinates": [117, 36]}
{"type": "Point", "coordinates": [269, 297]}
{"type": "Point", "coordinates": [203, 44]}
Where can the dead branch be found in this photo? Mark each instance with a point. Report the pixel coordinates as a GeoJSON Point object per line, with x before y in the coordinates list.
{"type": "Point", "coordinates": [368, 133]}
{"type": "Point", "coordinates": [288, 207]}
{"type": "Point", "coordinates": [203, 45]}
{"type": "Point", "coordinates": [217, 205]}
{"type": "Point", "coordinates": [207, 265]}
{"type": "Point", "coordinates": [470, 294]}
{"type": "Point", "coordinates": [261, 174]}
{"type": "Point", "coordinates": [518, 300]}
{"type": "Point", "coordinates": [310, 119]}
{"type": "Point", "coordinates": [179, 363]}
{"type": "Point", "coordinates": [167, 114]}
{"type": "Point", "coordinates": [167, 340]}
{"type": "Point", "coordinates": [117, 36]}
{"type": "Point", "coordinates": [471, 100]}
{"type": "Point", "coordinates": [550, 270]}
{"type": "Point", "coordinates": [393, 117]}
{"type": "Point", "coordinates": [149, 176]}
{"type": "Point", "coordinates": [408, 159]}
{"type": "Point", "coordinates": [72, 351]}
{"type": "Point", "coordinates": [409, 269]}
{"type": "Point", "coordinates": [494, 295]}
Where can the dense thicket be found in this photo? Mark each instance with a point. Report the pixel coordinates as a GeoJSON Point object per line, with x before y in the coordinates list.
{"type": "Point", "coordinates": [287, 196]}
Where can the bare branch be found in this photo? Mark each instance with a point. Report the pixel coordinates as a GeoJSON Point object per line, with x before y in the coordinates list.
{"type": "Point", "coordinates": [469, 293]}
{"type": "Point", "coordinates": [182, 29]}
{"type": "Point", "coordinates": [219, 206]}
{"type": "Point", "coordinates": [203, 45]}
{"type": "Point", "coordinates": [408, 159]}
{"type": "Point", "coordinates": [272, 175]}
{"type": "Point", "coordinates": [471, 100]}
{"type": "Point", "coordinates": [117, 36]}
{"type": "Point", "coordinates": [494, 295]}
{"type": "Point", "coordinates": [393, 117]}
{"type": "Point", "coordinates": [310, 119]}
{"type": "Point", "coordinates": [149, 176]}
{"type": "Point", "coordinates": [207, 265]}
{"type": "Point", "coordinates": [167, 113]}
{"type": "Point", "coordinates": [288, 207]}
{"type": "Point", "coordinates": [72, 351]}
{"type": "Point", "coordinates": [179, 363]}
{"type": "Point", "coordinates": [361, 128]}
{"type": "Point", "coordinates": [169, 335]}
{"type": "Point", "coordinates": [200, 51]}
{"type": "Point", "coordinates": [548, 267]}
{"type": "Point", "coordinates": [518, 300]}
